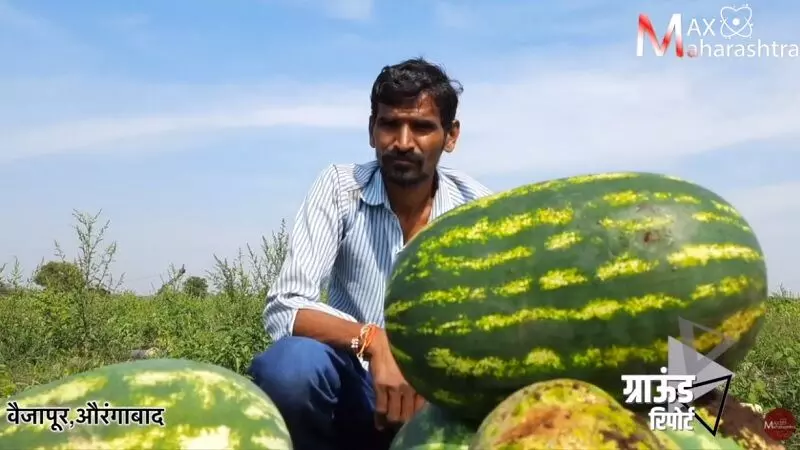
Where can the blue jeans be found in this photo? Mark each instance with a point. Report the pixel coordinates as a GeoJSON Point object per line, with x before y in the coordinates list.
{"type": "Point", "coordinates": [325, 395]}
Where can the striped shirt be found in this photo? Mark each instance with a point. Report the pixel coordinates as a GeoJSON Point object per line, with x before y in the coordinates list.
{"type": "Point", "coordinates": [346, 233]}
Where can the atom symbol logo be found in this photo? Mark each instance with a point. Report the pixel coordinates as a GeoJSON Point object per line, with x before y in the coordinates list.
{"type": "Point", "coordinates": [736, 21]}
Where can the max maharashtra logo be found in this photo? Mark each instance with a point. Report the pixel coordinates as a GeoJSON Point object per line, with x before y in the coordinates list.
{"type": "Point", "coordinates": [689, 376]}
{"type": "Point", "coordinates": [730, 34]}
{"type": "Point", "coordinates": [736, 22]}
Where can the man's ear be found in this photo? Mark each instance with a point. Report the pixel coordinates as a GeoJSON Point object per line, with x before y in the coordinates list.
{"type": "Point", "coordinates": [451, 138]}
{"type": "Point", "coordinates": [370, 126]}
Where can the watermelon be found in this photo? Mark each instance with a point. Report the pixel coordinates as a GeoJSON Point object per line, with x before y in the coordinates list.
{"type": "Point", "coordinates": [582, 277]}
{"type": "Point", "coordinates": [562, 414]}
{"type": "Point", "coordinates": [696, 439]}
{"type": "Point", "coordinates": [204, 407]}
{"type": "Point", "coordinates": [740, 428]}
{"type": "Point", "coordinates": [433, 429]}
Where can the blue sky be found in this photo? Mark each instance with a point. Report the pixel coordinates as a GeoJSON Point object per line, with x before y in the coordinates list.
{"type": "Point", "coordinates": [198, 125]}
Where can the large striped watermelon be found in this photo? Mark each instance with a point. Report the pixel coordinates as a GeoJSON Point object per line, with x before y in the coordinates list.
{"type": "Point", "coordinates": [563, 414]}
{"type": "Point", "coordinates": [582, 277]}
{"type": "Point", "coordinates": [433, 429]}
{"type": "Point", "coordinates": [206, 407]}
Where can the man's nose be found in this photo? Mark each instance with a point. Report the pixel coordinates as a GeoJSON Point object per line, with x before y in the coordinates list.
{"type": "Point", "coordinates": [405, 139]}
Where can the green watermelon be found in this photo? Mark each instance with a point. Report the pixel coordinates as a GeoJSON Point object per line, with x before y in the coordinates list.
{"type": "Point", "coordinates": [740, 428]}
{"type": "Point", "coordinates": [562, 414]}
{"type": "Point", "coordinates": [696, 439]}
{"type": "Point", "coordinates": [204, 407]}
{"type": "Point", "coordinates": [433, 429]}
{"type": "Point", "coordinates": [580, 277]}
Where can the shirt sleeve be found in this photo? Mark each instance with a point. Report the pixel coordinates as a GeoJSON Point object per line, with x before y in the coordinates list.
{"type": "Point", "coordinates": [313, 245]}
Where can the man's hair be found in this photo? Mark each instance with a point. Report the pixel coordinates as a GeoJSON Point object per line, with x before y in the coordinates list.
{"type": "Point", "coordinates": [402, 83]}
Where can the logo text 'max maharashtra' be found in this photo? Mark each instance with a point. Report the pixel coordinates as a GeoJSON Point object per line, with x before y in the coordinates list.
{"type": "Point", "coordinates": [674, 31]}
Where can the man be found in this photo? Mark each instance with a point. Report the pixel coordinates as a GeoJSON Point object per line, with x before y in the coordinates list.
{"type": "Point", "coordinates": [352, 224]}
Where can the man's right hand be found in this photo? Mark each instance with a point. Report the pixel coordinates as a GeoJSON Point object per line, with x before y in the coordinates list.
{"type": "Point", "coordinates": [395, 400]}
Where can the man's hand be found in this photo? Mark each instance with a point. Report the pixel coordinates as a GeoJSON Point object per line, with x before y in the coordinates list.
{"type": "Point", "coordinates": [395, 400]}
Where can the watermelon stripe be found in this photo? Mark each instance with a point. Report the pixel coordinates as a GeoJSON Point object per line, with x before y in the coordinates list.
{"type": "Point", "coordinates": [726, 208]}
{"type": "Point", "coordinates": [563, 241]}
{"type": "Point", "coordinates": [545, 360]}
{"type": "Point", "coordinates": [551, 323]}
{"type": "Point", "coordinates": [67, 392]}
{"type": "Point", "coordinates": [528, 220]}
{"type": "Point", "coordinates": [455, 264]}
{"type": "Point", "coordinates": [457, 401]}
{"type": "Point", "coordinates": [461, 294]}
{"type": "Point", "coordinates": [616, 199]}
{"type": "Point", "coordinates": [601, 308]}
{"type": "Point", "coordinates": [639, 225]}
{"type": "Point", "coordinates": [485, 229]}
{"type": "Point", "coordinates": [449, 398]}
{"type": "Point", "coordinates": [701, 255]}
{"type": "Point", "coordinates": [560, 184]}
{"type": "Point", "coordinates": [634, 226]}
{"type": "Point", "coordinates": [399, 355]}
{"type": "Point", "coordinates": [429, 255]}
{"type": "Point", "coordinates": [552, 185]}
{"type": "Point", "coordinates": [560, 278]}
{"type": "Point", "coordinates": [553, 336]}
{"type": "Point", "coordinates": [624, 265]}
{"type": "Point", "coordinates": [708, 217]}
{"type": "Point", "coordinates": [629, 197]}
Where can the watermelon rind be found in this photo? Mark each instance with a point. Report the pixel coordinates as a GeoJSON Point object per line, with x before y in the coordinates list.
{"type": "Point", "coordinates": [583, 277]}
{"type": "Point", "coordinates": [432, 428]}
{"type": "Point", "coordinates": [562, 414]}
{"type": "Point", "coordinates": [205, 407]}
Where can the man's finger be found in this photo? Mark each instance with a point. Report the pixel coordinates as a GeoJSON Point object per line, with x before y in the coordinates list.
{"type": "Point", "coordinates": [408, 404]}
{"type": "Point", "coordinates": [381, 401]}
{"type": "Point", "coordinates": [419, 402]}
{"type": "Point", "coordinates": [395, 405]}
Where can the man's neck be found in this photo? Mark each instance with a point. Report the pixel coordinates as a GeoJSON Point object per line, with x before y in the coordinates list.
{"type": "Point", "coordinates": [408, 201]}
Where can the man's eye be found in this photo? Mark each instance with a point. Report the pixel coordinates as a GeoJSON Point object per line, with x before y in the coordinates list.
{"type": "Point", "coordinates": [424, 127]}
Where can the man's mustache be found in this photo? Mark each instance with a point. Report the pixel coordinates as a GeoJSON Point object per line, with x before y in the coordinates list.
{"type": "Point", "coordinates": [410, 157]}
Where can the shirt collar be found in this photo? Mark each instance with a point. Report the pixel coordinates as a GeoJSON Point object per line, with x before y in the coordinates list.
{"type": "Point", "coordinates": [374, 192]}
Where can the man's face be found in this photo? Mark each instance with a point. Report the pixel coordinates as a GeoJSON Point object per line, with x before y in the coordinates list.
{"type": "Point", "coordinates": [409, 140]}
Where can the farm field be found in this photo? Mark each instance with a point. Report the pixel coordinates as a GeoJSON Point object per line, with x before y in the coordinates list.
{"type": "Point", "coordinates": [54, 325]}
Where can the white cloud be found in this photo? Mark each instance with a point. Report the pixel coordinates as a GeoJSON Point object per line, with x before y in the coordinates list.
{"type": "Point", "coordinates": [546, 116]}
{"type": "Point", "coordinates": [355, 10]}
{"type": "Point", "coordinates": [350, 9]}
{"type": "Point", "coordinates": [109, 135]}
{"type": "Point", "coordinates": [547, 119]}
{"type": "Point", "coordinates": [451, 15]}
